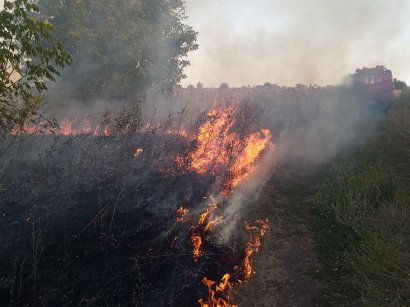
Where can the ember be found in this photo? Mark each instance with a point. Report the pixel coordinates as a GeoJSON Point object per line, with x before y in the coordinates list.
{"type": "Point", "coordinates": [181, 212]}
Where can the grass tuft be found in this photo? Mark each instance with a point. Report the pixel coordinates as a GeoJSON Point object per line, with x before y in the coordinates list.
{"type": "Point", "coordinates": [363, 220]}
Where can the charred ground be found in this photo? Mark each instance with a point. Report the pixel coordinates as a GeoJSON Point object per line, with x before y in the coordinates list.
{"type": "Point", "coordinates": [88, 221]}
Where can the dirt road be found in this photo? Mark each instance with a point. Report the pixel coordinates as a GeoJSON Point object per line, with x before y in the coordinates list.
{"type": "Point", "coordinates": [286, 263]}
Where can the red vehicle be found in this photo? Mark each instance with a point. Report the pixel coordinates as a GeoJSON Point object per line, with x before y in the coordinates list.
{"type": "Point", "coordinates": [377, 82]}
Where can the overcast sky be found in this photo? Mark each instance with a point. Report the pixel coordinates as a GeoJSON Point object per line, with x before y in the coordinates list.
{"type": "Point", "coordinates": [290, 41]}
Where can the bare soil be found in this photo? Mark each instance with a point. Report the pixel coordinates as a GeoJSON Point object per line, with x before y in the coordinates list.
{"type": "Point", "coordinates": [286, 264]}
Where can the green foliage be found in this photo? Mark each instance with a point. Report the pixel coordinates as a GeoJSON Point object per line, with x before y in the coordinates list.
{"type": "Point", "coordinates": [121, 49]}
{"type": "Point", "coordinates": [363, 221]}
{"type": "Point", "coordinates": [351, 196]}
{"type": "Point", "coordinates": [29, 57]}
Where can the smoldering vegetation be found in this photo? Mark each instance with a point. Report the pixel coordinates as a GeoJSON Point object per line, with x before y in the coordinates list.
{"type": "Point", "coordinates": [91, 219]}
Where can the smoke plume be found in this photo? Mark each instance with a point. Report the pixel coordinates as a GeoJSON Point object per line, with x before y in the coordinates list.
{"type": "Point", "coordinates": [289, 42]}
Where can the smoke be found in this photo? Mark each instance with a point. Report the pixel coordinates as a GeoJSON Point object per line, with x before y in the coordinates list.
{"type": "Point", "coordinates": [118, 52]}
{"type": "Point", "coordinates": [313, 43]}
{"type": "Point", "coordinates": [289, 42]}
{"type": "Point", "coordinates": [310, 126]}
{"type": "Point", "coordinates": [246, 195]}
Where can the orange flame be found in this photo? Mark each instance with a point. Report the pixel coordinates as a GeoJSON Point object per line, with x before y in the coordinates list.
{"type": "Point", "coordinates": [253, 245]}
{"type": "Point", "coordinates": [211, 141]}
{"type": "Point", "coordinates": [196, 239]}
{"type": "Point", "coordinates": [106, 131]}
{"type": "Point", "coordinates": [218, 295]}
{"type": "Point", "coordinates": [66, 127]}
{"type": "Point", "coordinates": [196, 243]}
{"type": "Point", "coordinates": [181, 212]}
{"type": "Point", "coordinates": [218, 148]}
{"type": "Point", "coordinates": [138, 152]}
{"type": "Point", "coordinates": [213, 222]}
{"type": "Point", "coordinates": [245, 164]}
{"type": "Point", "coordinates": [208, 211]}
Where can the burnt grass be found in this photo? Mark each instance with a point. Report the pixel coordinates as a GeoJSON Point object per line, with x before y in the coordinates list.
{"type": "Point", "coordinates": [100, 230]}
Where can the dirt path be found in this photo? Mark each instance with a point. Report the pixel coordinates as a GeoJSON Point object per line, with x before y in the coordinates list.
{"type": "Point", "coordinates": [286, 264]}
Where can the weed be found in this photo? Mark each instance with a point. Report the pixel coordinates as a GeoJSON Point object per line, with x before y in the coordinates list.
{"type": "Point", "coordinates": [362, 221]}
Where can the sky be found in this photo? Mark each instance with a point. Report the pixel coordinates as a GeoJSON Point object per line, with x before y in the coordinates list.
{"type": "Point", "coordinates": [286, 42]}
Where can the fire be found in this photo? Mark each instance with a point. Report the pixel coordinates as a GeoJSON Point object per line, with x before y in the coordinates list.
{"type": "Point", "coordinates": [212, 223]}
{"type": "Point", "coordinates": [208, 211]}
{"type": "Point", "coordinates": [245, 164]}
{"type": "Point", "coordinates": [218, 294]}
{"type": "Point", "coordinates": [199, 228]}
{"type": "Point", "coordinates": [211, 141]}
{"type": "Point", "coordinates": [66, 127]}
{"type": "Point", "coordinates": [223, 152]}
{"type": "Point", "coordinates": [220, 151]}
{"type": "Point", "coordinates": [218, 148]}
{"type": "Point", "coordinates": [138, 153]}
{"type": "Point", "coordinates": [196, 243]}
{"type": "Point", "coordinates": [181, 213]}
{"type": "Point", "coordinates": [253, 245]}
{"type": "Point", "coordinates": [106, 131]}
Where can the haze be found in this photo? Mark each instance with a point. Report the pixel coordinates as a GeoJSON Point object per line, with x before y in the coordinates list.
{"type": "Point", "coordinates": [290, 42]}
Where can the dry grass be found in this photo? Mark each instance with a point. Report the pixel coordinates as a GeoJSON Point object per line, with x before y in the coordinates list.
{"type": "Point", "coordinates": [363, 220]}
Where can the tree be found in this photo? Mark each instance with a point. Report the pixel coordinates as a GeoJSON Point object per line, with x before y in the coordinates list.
{"type": "Point", "coordinates": [29, 57]}
{"type": "Point", "coordinates": [199, 85]}
{"type": "Point", "coordinates": [224, 86]}
{"type": "Point", "coordinates": [399, 85]}
{"type": "Point", "coordinates": [121, 50]}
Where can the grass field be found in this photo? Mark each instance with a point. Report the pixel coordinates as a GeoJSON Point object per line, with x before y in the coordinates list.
{"type": "Point", "coordinates": [362, 220]}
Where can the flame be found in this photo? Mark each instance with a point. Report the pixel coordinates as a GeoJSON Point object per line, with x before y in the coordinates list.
{"type": "Point", "coordinates": [138, 152]}
{"type": "Point", "coordinates": [66, 128]}
{"type": "Point", "coordinates": [213, 222]}
{"type": "Point", "coordinates": [253, 245]}
{"type": "Point", "coordinates": [223, 153]}
{"type": "Point", "coordinates": [208, 211]}
{"type": "Point", "coordinates": [219, 149]}
{"type": "Point", "coordinates": [196, 241]}
{"type": "Point", "coordinates": [106, 131]}
{"type": "Point", "coordinates": [244, 165]}
{"type": "Point", "coordinates": [181, 212]}
{"type": "Point", "coordinates": [198, 229]}
{"type": "Point", "coordinates": [211, 141]}
{"type": "Point", "coordinates": [218, 294]}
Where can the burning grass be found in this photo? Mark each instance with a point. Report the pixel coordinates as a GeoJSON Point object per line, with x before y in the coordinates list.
{"type": "Point", "coordinates": [149, 201]}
